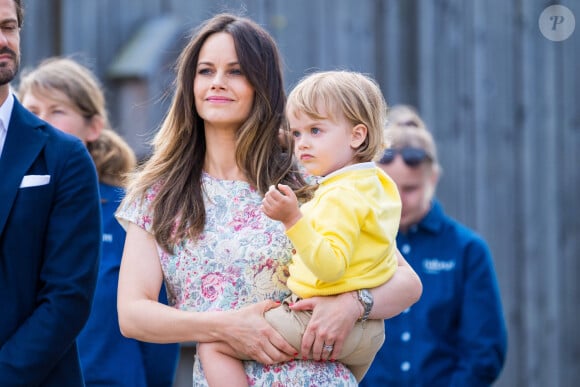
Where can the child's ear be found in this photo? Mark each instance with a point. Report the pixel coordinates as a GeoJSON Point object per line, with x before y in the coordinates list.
{"type": "Point", "coordinates": [358, 136]}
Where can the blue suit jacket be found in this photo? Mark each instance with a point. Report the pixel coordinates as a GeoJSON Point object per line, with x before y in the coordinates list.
{"type": "Point", "coordinates": [50, 231]}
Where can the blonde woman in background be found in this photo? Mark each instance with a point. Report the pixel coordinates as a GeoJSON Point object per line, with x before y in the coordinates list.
{"type": "Point", "coordinates": [455, 335]}
{"type": "Point", "coordinates": [68, 95]}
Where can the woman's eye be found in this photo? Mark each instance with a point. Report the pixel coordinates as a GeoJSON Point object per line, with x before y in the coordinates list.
{"type": "Point", "coordinates": [203, 71]}
{"type": "Point", "coordinates": [236, 72]}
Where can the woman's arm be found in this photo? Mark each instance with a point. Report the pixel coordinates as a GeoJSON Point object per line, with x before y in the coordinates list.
{"type": "Point", "coordinates": [333, 317]}
{"type": "Point", "coordinates": [143, 318]}
{"type": "Point", "coordinates": [397, 294]}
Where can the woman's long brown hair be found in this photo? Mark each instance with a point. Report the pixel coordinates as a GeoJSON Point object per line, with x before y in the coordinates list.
{"type": "Point", "coordinates": [179, 147]}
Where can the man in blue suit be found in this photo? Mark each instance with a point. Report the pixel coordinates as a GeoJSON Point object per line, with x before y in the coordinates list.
{"type": "Point", "coordinates": [50, 231]}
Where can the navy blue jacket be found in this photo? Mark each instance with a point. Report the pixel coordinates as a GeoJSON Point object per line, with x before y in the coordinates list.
{"type": "Point", "coordinates": [455, 335]}
{"type": "Point", "coordinates": [50, 238]}
{"type": "Point", "coordinates": [108, 358]}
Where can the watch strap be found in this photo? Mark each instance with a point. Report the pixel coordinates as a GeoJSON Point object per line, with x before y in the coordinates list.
{"type": "Point", "coordinates": [366, 300]}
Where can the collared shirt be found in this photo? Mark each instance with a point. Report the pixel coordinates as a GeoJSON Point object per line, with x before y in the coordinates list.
{"type": "Point", "coordinates": [455, 335]}
{"type": "Point", "coordinates": [5, 113]}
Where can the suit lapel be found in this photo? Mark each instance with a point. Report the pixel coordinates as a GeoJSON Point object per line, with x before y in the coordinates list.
{"type": "Point", "coordinates": [24, 141]}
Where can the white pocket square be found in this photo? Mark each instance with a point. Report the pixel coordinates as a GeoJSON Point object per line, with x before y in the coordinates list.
{"type": "Point", "coordinates": [34, 180]}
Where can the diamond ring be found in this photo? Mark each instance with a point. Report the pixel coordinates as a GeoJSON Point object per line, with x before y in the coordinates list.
{"type": "Point", "coordinates": [328, 348]}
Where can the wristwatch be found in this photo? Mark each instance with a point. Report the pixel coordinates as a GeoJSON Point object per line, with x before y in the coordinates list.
{"type": "Point", "coordinates": [366, 299]}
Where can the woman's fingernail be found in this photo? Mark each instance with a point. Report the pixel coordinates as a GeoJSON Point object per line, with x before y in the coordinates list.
{"type": "Point", "coordinates": [304, 358]}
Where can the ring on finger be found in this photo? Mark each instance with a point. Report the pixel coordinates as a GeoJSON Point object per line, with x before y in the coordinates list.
{"type": "Point", "coordinates": [328, 347]}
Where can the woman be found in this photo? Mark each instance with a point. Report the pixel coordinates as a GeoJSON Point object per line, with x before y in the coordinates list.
{"type": "Point", "coordinates": [193, 218]}
{"type": "Point", "coordinates": [67, 95]}
{"type": "Point", "coordinates": [456, 335]}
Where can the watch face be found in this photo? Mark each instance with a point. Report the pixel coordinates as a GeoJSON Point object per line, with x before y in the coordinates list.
{"type": "Point", "coordinates": [366, 296]}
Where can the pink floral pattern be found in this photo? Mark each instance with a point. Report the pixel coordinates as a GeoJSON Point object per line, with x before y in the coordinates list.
{"type": "Point", "coordinates": [241, 259]}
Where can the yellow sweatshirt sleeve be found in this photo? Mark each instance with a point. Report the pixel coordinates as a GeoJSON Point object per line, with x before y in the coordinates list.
{"type": "Point", "coordinates": [346, 237]}
{"type": "Point", "coordinates": [324, 238]}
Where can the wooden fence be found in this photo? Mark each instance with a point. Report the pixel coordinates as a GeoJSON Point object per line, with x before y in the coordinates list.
{"type": "Point", "coordinates": [501, 99]}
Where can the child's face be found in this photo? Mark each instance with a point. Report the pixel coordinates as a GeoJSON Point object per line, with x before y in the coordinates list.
{"type": "Point", "coordinates": [58, 111]}
{"type": "Point", "coordinates": [322, 145]}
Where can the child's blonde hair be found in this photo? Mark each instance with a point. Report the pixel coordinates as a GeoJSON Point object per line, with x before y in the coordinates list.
{"type": "Point", "coordinates": [354, 95]}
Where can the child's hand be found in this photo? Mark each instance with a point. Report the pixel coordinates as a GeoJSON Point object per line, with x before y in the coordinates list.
{"type": "Point", "coordinates": [281, 204]}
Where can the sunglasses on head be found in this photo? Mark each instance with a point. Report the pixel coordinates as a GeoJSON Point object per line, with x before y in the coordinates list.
{"type": "Point", "coordinates": [411, 156]}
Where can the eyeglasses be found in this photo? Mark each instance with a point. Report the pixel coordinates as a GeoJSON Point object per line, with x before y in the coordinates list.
{"type": "Point", "coordinates": [411, 156]}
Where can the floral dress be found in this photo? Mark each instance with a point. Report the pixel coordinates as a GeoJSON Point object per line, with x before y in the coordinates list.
{"type": "Point", "coordinates": [241, 258]}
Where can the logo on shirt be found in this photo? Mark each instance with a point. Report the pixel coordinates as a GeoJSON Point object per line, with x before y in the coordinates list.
{"type": "Point", "coordinates": [436, 266]}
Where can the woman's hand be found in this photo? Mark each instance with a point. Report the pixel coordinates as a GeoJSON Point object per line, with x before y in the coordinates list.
{"type": "Point", "coordinates": [248, 333]}
{"type": "Point", "coordinates": [333, 318]}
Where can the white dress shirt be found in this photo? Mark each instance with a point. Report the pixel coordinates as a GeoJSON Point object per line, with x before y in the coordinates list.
{"type": "Point", "coordinates": [5, 113]}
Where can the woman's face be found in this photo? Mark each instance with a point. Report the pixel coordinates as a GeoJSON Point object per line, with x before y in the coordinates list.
{"type": "Point", "coordinates": [60, 113]}
{"type": "Point", "coordinates": [416, 186]}
{"type": "Point", "coordinates": [223, 94]}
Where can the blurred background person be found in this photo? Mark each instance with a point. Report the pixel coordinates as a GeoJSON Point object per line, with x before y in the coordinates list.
{"type": "Point", "coordinates": [68, 95]}
{"type": "Point", "coordinates": [455, 335]}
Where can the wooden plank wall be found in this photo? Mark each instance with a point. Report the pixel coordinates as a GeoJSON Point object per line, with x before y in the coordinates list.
{"type": "Point", "coordinates": [501, 99]}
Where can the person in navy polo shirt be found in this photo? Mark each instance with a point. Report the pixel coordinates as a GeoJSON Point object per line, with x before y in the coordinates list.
{"type": "Point", "coordinates": [455, 335]}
